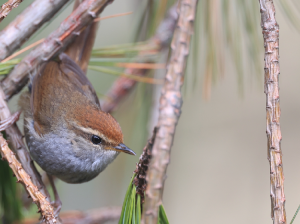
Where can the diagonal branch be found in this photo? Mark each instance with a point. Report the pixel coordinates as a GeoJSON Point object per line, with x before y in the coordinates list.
{"type": "Point", "coordinates": [170, 110]}
{"type": "Point", "coordinates": [7, 7]}
{"type": "Point", "coordinates": [19, 147]}
{"type": "Point", "coordinates": [53, 45]}
{"type": "Point", "coordinates": [32, 18]}
{"type": "Point", "coordinates": [44, 206]}
{"type": "Point", "coordinates": [160, 41]}
{"type": "Point", "coordinates": [26, 172]}
{"type": "Point", "coordinates": [270, 30]}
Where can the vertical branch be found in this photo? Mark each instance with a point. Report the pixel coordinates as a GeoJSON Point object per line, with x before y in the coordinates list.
{"type": "Point", "coordinates": [170, 109]}
{"type": "Point", "coordinates": [270, 30]}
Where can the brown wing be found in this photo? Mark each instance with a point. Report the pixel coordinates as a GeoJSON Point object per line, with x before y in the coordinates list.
{"type": "Point", "coordinates": [78, 78]}
{"type": "Point", "coordinates": [56, 89]}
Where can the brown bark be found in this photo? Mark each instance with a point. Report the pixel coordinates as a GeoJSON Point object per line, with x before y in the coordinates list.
{"type": "Point", "coordinates": [170, 109]}
{"type": "Point", "coordinates": [44, 206]}
{"type": "Point", "coordinates": [71, 27]}
{"type": "Point", "coordinates": [142, 167]}
{"type": "Point", "coordinates": [32, 18]}
{"type": "Point", "coordinates": [270, 30]}
{"type": "Point", "coordinates": [7, 7]}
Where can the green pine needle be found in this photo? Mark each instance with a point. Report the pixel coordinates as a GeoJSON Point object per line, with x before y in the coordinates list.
{"type": "Point", "coordinates": [132, 207]}
{"type": "Point", "coordinates": [295, 214]}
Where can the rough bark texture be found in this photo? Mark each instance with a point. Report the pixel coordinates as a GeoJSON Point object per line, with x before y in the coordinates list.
{"type": "Point", "coordinates": [32, 18]}
{"type": "Point", "coordinates": [270, 30]}
{"type": "Point", "coordinates": [142, 167]}
{"type": "Point", "coordinates": [44, 206]}
{"type": "Point", "coordinates": [170, 109]}
{"type": "Point", "coordinates": [7, 7]}
{"type": "Point", "coordinates": [54, 44]}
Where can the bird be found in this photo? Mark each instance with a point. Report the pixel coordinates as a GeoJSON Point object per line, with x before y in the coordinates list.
{"type": "Point", "coordinates": [67, 133]}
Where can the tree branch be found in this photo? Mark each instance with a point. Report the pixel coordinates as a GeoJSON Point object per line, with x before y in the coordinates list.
{"type": "Point", "coordinates": [170, 109]}
{"type": "Point", "coordinates": [19, 148]}
{"type": "Point", "coordinates": [95, 216]}
{"type": "Point", "coordinates": [142, 167]}
{"type": "Point", "coordinates": [44, 206]}
{"type": "Point", "coordinates": [7, 7]}
{"type": "Point", "coordinates": [32, 18]}
{"type": "Point", "coordinates": [53, 45]}
{"type": "Point", "coordinates": [270, 30]}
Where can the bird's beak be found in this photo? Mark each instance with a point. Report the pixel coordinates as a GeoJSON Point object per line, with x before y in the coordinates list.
{"type": "Point", "coordinates": [123, 148]}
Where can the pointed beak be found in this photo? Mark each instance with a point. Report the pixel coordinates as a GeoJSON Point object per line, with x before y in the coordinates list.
{"type": "Point", "coordinates": [123, 148]}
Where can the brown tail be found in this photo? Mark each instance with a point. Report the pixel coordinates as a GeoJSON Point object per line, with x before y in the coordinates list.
{"type": "Point", "coordinates": [81, 48]}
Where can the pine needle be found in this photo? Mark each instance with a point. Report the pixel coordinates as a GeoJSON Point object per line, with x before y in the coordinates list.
{"type": "Point", "coordinates": [295, 214]}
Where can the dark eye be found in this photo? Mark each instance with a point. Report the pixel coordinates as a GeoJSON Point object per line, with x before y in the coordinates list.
{"type": "Point", "coordinates": [96, 140]}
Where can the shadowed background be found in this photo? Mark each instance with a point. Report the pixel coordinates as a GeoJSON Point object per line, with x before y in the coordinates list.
{"type": "Point", "coordinates": [219, 170]}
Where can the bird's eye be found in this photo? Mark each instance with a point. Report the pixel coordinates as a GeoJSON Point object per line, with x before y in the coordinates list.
{"type": "Point", "coordinates": [96, 140]}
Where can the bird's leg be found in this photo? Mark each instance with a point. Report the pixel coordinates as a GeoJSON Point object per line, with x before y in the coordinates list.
{"type": "Point", "coordinates": [57, 202]}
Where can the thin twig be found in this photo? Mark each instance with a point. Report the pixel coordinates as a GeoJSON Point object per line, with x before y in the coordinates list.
{"type": "Point", "coordinates": [140, 65]}
{"type": "Point", "coordinates": [134, 77]}
{"type": "Point", "coordinates": [31, 19]}
{"type": "Point", "coordinates": [270, 30]}
{"type": "Point", "coordinates": [95, 216]}
{"type": "Point", "coordinates": [86, 12]}
{"type": "Point", "coordinates": [112, 16]}
{"type": "Point", "coordinates": [44, 206]}
{"type": "Point", "coordinates": [120, 89]}
{"type": "Point", "coordinates": [4, 124]}
{"type": "Point", "coordinates": [170, 110]}
{"type": "Point", "coordinates": [161, 41]}
{"type": "Point", "coordinates": [41, 40]}
{"type": "Point", "coordinates": [23, 50]}
{"type": "Point", "coordinates": [7, 7]}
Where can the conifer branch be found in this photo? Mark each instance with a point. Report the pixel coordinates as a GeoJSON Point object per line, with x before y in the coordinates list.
{"type": "Point", "coordinates": [170, 110]}
{"type": "Point", "coordinates": [71, 27]}
{"type": "Point", "coordinates": [7, 7]}
{"type": "Point", "coordinates": [270, 30]}
{"type": "Point", "coordinates": [44, 206]}
{"type": "Point", "coordinates": [25, 24]}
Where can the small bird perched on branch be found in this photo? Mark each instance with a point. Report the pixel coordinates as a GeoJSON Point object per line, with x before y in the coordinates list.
{"type": "Point", "coordinates": [67, 133]}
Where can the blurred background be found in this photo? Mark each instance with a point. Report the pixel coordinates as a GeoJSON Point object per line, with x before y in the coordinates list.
{"type": "Point", "coordinates": [219, 170]}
